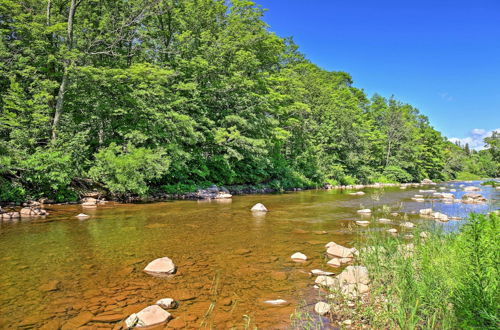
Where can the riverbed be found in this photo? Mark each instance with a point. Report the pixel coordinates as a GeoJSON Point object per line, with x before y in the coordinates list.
{"type": "Point", "coordinates": [229, 260]}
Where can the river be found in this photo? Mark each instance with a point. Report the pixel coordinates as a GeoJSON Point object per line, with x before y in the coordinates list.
{"type": "Point", "coordinates": [229, 260]}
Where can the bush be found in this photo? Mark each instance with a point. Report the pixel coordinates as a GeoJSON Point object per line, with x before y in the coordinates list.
{"type": "Point", "coordinates": [397, 174]}
{"type": "Point", "coordinates": [128, 170]}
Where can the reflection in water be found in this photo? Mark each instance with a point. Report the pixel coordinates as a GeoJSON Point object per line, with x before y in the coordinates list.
{"type": "Point", "coordinates": [227, 256]}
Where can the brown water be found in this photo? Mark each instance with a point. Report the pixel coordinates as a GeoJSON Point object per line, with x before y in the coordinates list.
{"type": "Point", "coordinates": [229, 260]}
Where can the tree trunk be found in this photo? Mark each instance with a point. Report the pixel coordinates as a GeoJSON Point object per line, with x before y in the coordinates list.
{"type": "Point", "coordinates": [65, 77]}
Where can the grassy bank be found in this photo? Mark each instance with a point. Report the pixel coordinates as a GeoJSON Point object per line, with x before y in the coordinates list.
{"type": "Point", "coordinates": [445, 281]}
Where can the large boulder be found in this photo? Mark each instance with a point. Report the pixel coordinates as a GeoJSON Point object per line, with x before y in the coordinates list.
{"type": "Point", "coordinates": [426, 212]}
{"type": "Point", "coordinates": [148, 317]}
{"type": "Point", "coordinates": [161, 267]}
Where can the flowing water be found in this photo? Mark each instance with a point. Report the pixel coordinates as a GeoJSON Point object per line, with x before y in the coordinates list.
{"type": "Point", "coordinates": [229, 260]}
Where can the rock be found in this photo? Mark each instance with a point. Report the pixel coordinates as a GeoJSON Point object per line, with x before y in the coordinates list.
{"type": "Point", "coordinates": [407, 225]}
{"type": "Point", "coordinates": [278, 276]}
{"type": "Point", "coordinates": [320, 232]}
{"type": "Point", "coordinates": [322, 308]}
{"type": "Point", "coordinates": [419, 196]}
{"type": "Point", "coordinates": [82, 216]}
{"type": "Point", "coordinates": [226, 302]}
{"type": "Point", "coordinates": [321, 272]}
{"type": "Point", "coordinates": [297, 256]}
{"type": "Point", "coordinates": [354, 275]}
{"type": "Point", "coordinates": [440, 216]}
{"type": "Point", "coordinates": [10, 215]}
{"type": "Point", "coordinates": [408, 236]}
{"type": "Point", "coordinates": [347, 322]}
{"type": "Point", "coordinates": [427, 181]}
{"type": "Point", "coordinates": [337, 262]}
{"type": "Point", "coordinates": [50, 286]}
{"type": "Point", "coordinates": [424, 234]}
{"type": "Point", "coordinates": [242, 251]}
{"type": "Point", "coordinates": [32, 212]}
{"type": "Point", "coordinates": [326, 281]}
{"type": "Point", "coordinates": [148, 317]}
{"type": "Point", "coordinates": [425, 212]}
{"type": "Point", "coordinates": [161, 266]}
{"type": "Point", "coordinates": [473, 198]}
{"type": "Point", "coordinates": [108, 318]}
{"type": "Point", "coordinates": [340, 251]}
{"type": "Point", "coordinates": [392, 231]}
{"type": "Point", "coordinates": [276, 302]}
{"type": "Point", "coordinates": [167, 303]}
{"type": "Point", "coordinates": [259, 208]}
{"type": "Point", "coordinates": [363, 223]}
{"type": "Point", "coordinates": [472, 188]}
{"type": "Point", "coordinates": [420, 200]}
{"type": "Point", "coordinates": [365, 211]}
{"type": "Point", "coordinates": [394, 214]}
{"type": "Point", "coordinates": [77, 321]}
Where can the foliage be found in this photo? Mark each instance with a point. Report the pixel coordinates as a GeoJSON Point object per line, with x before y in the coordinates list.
{"type": "Point", "coordinates": [208, 84]}
{"type": "Point", "coordinates": [467, 176]}
{"type": "Point", "coordinates": [128, 169]}
{"type": "Point", "coordinates": [448, 280]}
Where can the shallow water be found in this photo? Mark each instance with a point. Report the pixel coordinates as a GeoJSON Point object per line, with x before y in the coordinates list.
{"type": "Point", "coordinates": [229, 260]}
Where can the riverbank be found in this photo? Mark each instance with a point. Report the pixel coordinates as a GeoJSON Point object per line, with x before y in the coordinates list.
{"type": "Point", "coordinates": [435, 280]}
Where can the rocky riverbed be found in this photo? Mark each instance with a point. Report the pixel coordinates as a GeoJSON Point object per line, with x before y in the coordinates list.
{"type": "Point", "coordinates": [233, 266]}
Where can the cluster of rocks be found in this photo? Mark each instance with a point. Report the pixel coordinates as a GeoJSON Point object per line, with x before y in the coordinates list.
{"type": "Point", "coordinates": [212, 192]}
{"type": "Point", "coordinates": [92, 200]}
{"type": "Point", "coordinates": [33, 209]}
{"type": "Point", "coordinates": [473, 198]}
{"type": "Point", "coordinates": [434, 215]}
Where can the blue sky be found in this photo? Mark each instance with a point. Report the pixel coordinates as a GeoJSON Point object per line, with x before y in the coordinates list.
{"type": "Point", "coordinates": [443, 57]}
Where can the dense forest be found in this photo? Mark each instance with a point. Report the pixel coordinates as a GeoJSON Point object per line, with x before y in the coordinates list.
{"type": "Point", "coordinates": [139, 96]}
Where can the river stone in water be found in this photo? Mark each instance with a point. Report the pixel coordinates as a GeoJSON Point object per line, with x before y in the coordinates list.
{"type": "Point", "coordinates": [363, 223]}
{"type": "Point", "coordinates": [407, 225]}
{"type": "Point", "coordinates": [364, 211]}
{"type": "Point", "coordinates": [149, 316]}
{"type": "Point", "coordinates": [340, 251]}
{"type": "Point", "coordinates": [297, 256]}
{"type": "Point", "coordinates": [321, 272]}
{"type": "Point", "coordinates": [160, 267]}
{"type": "Point", "coordinates": [322, 308]}
{"type": "Point", "coordinates": [259, 207]}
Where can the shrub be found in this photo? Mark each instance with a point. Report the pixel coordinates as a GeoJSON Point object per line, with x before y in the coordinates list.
{"type": "Point", "coordinates": [128, 170]}
{"type": "Point", "coordinates": [467, 176]}
{"type": "Point", "coordinates": [397, 174]}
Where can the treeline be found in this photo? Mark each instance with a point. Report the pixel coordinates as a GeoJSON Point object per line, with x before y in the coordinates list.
{"type": "Point", "coordinates": [164, 95]}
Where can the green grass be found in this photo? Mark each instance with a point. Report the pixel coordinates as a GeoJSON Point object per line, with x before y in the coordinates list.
{"type": "Point", "coordinates": [492, 183]}
{"type": "Point", "coordinates": [447, 281]}
{"type": "Point", "coordinates": [467, 176]}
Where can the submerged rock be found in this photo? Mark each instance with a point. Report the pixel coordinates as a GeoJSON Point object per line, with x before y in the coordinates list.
{"type": "Point", "coordinates": [276, 302]}
{"type": "Point", "coordinates": [363, 223]}
{"type": "Point", "coordinates": [321, 272]}
{"type": "Point", "coordinates": [161, 266]}
{"type": "Point", "coordinates": [82, 216]}
{"type": "Point", "coordinates": [259, 207]}
{"type": "Point", "coordinates": [472, 188]}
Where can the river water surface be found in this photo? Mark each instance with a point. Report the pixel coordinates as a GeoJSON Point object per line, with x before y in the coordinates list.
{"type": "Point", "coordinates": [229, 260]}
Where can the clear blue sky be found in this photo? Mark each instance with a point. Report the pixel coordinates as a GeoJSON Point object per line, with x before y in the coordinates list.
{"type": "Point", "coordinates": [443, 57]}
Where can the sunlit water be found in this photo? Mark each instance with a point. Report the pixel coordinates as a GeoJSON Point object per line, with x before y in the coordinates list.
{"type": "Point", "coordinates": [226, 256]}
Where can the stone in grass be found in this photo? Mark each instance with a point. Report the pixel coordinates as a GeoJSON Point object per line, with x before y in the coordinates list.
{"type": "Point", "coordinates": [407, 225]}
{"type": "Point", "coordinates": [384, 220]}
{"type": "Point", "coordinates": [364, 211]}
{"type": "Point", "coordinates": [392, 231]}
{"type": "Point", "coordinates": [259, 207]}
{"type": "Point", "coordinates": [322, 308]}
{"type": "Point", "coordinates": [299, 257]}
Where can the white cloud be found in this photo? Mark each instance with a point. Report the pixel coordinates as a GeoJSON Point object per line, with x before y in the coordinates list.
{"type": "Point", "coordinates": [445, 96]}
{"type": "Point", "coordinates": [475, 138]}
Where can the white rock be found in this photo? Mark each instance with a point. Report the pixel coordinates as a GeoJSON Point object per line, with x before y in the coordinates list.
{"type": "Point", "coordinates": [407, 224]}
{"type": "Point", "coordinates": [167, 303]}
{"type": "Point", "coordinates": [472, 188]}
{"type": "Point", "coordinates": [297, 256]}
{"type": "Point", "coordinates": [365, 211]}
{"type": "Point", "coordinates": [383, 220]}
{"type": "Point", "coordinates": [326, 281]}
{"type": "Point", "coordinates": [424, 234]}
{"type": "Point", "coordinates": [347, 322]}
{"type": "Point", "coordinates": [354, 275]}
{"type": "Point", "coordinates": [150, 316]}
{"type": "Point", "coordinates": [259, 207]}
{"type": "Point", "coordinates": [160, 266]}
{"type": "Point", "coordinates": [440, 216]}
{"type": "Point", "coordinates": [82, 215]}
{"type": "Point", "coordinates": [322, 308]}
{"type": "Point", "coordinates": [363, 223]}
{"type": "Point", "coordinates": [392, 230]}
{"type": "Point", "coordinates": [340, 251]}
{"type": "Point", "coordinates": [425, 212]}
